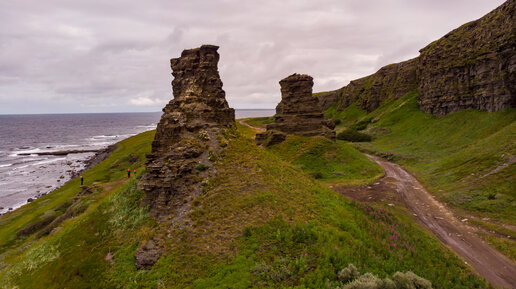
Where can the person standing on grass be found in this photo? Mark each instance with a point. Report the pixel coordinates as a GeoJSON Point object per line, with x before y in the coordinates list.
{"type": "Point", "coordinates": [82, 180]}
{"type": "Point", "coordinates": [128, 173]}
{"type": "Point", "coordinates": [134, 173]}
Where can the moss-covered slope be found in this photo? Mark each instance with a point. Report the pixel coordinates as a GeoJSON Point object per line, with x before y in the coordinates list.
{"type": "Point", "coordinates": [467, 158]}
{"type": "Point", "coordinates": [260, 222]}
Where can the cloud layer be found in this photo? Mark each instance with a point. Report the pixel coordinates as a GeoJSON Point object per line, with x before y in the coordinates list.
{"type": "Point", "coordinates": [61, 56]}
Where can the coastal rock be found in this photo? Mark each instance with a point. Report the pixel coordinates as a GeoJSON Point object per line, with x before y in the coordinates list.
{"type": "Point", "coordinates": [390, 82]}
{"type": "Point", "coordinates": [298, 112]}
{"type": "Point", "coordinates": [188, 137]}
{"type": "Point", "coordinates": [473, 66]}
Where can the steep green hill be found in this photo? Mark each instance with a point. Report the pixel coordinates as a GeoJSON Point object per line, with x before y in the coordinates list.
{"type": "Point", "coordinates": [260, 222]}
{"type": "Point", "coordinates": [466, 158]}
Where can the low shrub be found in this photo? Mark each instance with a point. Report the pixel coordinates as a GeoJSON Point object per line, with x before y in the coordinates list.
{"type": "Point", "coordinates": [349, 273]}
{"type": "Point", "coordinates": [361, 125]}
{"type": "Point", "coordinates": [351, 279]}
{"type": "Point", "coordinates": [317, 175]}
{"type": "Point", "coordinates": [353, 136]}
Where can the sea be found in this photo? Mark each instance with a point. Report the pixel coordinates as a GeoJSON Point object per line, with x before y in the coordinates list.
{"type": "Point", "coordinates": [25, 174]}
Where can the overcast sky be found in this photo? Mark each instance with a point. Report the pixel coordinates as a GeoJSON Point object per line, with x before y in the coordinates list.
{"type": "Point", "coordinates": [63, 56]}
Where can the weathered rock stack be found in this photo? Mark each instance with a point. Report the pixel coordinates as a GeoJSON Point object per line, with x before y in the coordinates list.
{"type": "Point", "coordinates": [187, 132]}
{"type": "Point", "coordinates": [188, 137]}
{"type": "Point", "coordinates": [298, 113]}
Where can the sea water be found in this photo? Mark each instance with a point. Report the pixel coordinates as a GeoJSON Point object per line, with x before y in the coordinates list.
{"type": "Point", "coordinates": [24, 174]}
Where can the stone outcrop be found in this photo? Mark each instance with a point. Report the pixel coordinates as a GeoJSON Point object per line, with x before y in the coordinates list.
{"type": "Point", "coordinates": [390, 82]}
{"type": "Point", "coordinates": [187, 131]}
{"type": "Point", "coordinates": [298, 112]}
{"type": "Point", "coordinates": [473, 66]}
{"type": "Point", "coordinates": [188, 138]}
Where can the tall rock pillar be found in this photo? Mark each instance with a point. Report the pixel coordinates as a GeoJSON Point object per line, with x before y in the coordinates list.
{"type": "Point", "coordinates": [187, 133]}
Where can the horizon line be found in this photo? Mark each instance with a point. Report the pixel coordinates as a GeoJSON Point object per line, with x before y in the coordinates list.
{"type": "Point", "coordinates": [113, 112]}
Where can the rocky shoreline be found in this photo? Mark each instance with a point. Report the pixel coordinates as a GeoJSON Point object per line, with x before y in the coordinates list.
{"type": "Point", "coordinates": [99, 156]}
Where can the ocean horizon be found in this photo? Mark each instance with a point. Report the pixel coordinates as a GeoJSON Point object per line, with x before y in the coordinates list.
{"type": "Point", "coordinates": [28, 171]}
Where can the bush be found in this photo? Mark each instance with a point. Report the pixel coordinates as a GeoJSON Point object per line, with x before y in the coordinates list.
{"type": "Point", "coordinates": [337, 121]}
{"type": "Point", "coordinates": [353, 136]}
{"type": "Point", "coordinates": [349, 273]}
{"type": "Point", "coordinates": [370, 281]}
{"type": "Point", "coordinates": [317, 175]}
{"type": "Point", "coordinates": [409, 280]}
{"type": "Point", "coordinates": [354, 280]}
{"type": "Point", "coordinates": [361, 125]}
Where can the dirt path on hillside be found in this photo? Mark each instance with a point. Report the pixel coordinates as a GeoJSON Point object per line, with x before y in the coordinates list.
{"type": "Point", "coordinates": [398, 186]}
{"type": "Point", "coordinates": [257, 129]}
{"type": "Point", "coordinates": [496, 268]}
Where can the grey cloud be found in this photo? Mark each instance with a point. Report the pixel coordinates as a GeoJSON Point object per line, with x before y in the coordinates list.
{"type": "Point", "coordinates": [95, 55]}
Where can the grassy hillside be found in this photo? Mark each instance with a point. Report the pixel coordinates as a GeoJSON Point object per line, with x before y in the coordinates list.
{"type": "Point", "coordinates": [465, 158]}
{"type": "Point", "coordinates": [260, 222]}
{"type": "Point", "coordinates": [335, 162]}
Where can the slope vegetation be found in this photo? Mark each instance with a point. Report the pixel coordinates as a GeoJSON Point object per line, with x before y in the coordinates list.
{"type": "Point", "coordinates": [466, 158]}
{"type": "Point", "coordinates": [260, 222]}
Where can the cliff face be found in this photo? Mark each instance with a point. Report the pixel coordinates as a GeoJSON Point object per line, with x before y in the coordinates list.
{"type": "Point", "coordinates": [390, 82]}
{"type": "Point", "coordinates": [473, 66]}
{"type": "Point", "coordinates": [299, 111]}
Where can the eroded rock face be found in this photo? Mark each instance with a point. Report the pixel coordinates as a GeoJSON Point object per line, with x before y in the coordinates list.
{"type": "Point", "coordinates": [473, 66]}
{"type": "Point", "coordinates": [187, 132]}
{"type": "Point", "coordinates": [390, 82]}
{"type": "Point", "coordinates": [187, 140]}
{"type": "Point", "coordinates": [298, 112]}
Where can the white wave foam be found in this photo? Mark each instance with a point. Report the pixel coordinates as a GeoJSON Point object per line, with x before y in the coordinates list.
{"type": "Point", "coordinates": [48, 161]}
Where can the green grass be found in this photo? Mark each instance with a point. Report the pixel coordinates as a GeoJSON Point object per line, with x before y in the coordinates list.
{"type": "Point", "coordinates": [346, 117]}
{"type": "Point", "coordinates": [328, 160]}
{"type": "Point", "coordinates": [260, 121]}
{"type": "Point", "coordinates": [112, 169]}
{"type": "Point", "coordinates": [451, 155]}
{"type": "Point", "coordinates": [260, 222]}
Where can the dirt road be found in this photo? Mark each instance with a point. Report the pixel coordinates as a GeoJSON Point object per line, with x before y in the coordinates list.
{"type": "Point", "coordinates": [489, 263]}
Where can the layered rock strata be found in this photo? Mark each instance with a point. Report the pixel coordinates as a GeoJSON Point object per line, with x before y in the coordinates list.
{"type": "Point", "coordinates": [187, 131]}
{"type": "Point", "coordinates": [473, 66]}
{"type": "Point", "coordinates": [298, 112]}
{"type": "Point", "coordinates": [390, 82]}
{"type": "Point", "coordinates": [189, 136]}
